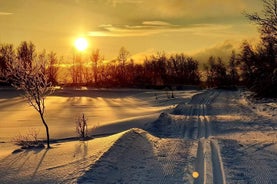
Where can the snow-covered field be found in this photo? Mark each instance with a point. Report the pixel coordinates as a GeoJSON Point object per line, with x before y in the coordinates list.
{"type": "Point", "coordinates": [220, 134]}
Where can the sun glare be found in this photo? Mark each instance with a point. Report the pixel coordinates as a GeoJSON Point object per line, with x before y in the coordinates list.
{"type": "Point", "coordinates": [81, 44]}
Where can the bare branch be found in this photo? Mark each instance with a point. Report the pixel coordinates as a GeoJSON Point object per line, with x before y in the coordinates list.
{"type": "Point", "coordinates": [32, 79]}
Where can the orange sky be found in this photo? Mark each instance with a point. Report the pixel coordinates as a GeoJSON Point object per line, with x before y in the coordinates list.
{"type": "Point", "coordinates": [194, 27]}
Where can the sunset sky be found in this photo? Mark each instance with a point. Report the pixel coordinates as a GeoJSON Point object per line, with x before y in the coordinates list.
{"type": "Point", "coordinates": [195, 27]}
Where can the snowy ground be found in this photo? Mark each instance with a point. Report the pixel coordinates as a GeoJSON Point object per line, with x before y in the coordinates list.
{"type": "Point", "coordinates": [111, 110]}
{"type": "Point", "coordinates": [219, 134]}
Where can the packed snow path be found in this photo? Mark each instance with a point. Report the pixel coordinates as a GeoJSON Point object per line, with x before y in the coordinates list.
{"type": "Point", "coordinates": [208, 159]}
{"type": "Point", "coordinates": [201, 123]}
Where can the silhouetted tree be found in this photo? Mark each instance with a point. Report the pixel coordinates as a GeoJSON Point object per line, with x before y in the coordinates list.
{"type": "Point", "coordinates": [247, 60]}
{"type": "Point", "coordinates": [233, 72]}
{"type": "Point", "coordinates": [96, 58]}
{"type": "Point", "coordinates": [217, 73]}
{"type": "Point", "coordinates": [267, 23]}
{"type": "Point", "coordinates": [77, 69]}
{"type": "Point", "coordinates": [52, 68]}
{"type": "Point", "coordinates": [122, 59]}
{"type": "Point", "coordinates": [192, 71]}
{"type": "Point", "coordinates": [264, 63]}
{"type": "Point", "coordinates": [183, 70]}
{"type": "Point", "coordinates": [7, 56]}
{"type": "Point", "coordinates": [210, 72]}
{"type": "Point", "coordinates": [26, 53]}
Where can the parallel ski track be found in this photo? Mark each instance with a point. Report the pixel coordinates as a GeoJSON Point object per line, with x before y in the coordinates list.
{"type": "Point", "coordinates": [208, 162]}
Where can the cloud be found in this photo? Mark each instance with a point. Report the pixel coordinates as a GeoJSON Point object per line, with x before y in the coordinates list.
{"type": "Point", "coordinates": [140, 56]}
{"type": "Point", "coordinates": [178, 10]}
{"type": "Point", "coordinates": [5, 13]}
{"type": "Point", "coordinates": [156, 23]}
{"type": "Point", "coordinates": [223, 50]}
{"type": "Point", "coordinates": [196, 8]}
{"type": "Point", "coordinates": [118, 2]}
{"type": "Point", "coordinates": [147, 28]}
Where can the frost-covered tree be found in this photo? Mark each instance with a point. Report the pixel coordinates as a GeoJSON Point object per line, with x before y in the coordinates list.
{"type": "Point", "coordinates": [32, 79]}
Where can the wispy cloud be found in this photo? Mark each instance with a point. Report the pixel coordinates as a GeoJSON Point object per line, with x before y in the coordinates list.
{"type": "Point", "coordinates": [147, 28]}
{"type": "Point", "coordinates": [5, 13]}
{"type": "Point", "coordinates": [156, 23]}
{"type": "Point", "coordinates": [116, 2]}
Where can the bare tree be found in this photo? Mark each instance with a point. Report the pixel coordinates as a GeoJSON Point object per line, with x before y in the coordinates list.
{"type": "Point", "coordinates": [263, 64]}
{"type": "Point", "coordinates": [7, 55]}
{"type": "Point", "coordinates": [35, 84]}
{"type": "Point", "coordinates": [96, 58]}
{"type": "Point", "coordinates": [52, 68]}
{"type": "Point", "coordinates": [233, 72]}
{"type": "Point", "coordinates": [26, 53]}
{"type": "Point", "coordinates": [122, 59]}
{"type": "Point", "coordinates": [268, 22]}
{"type": "Point", "coordinates": [77, 69]}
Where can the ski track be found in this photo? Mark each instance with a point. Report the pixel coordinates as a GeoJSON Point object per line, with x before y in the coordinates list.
{"type": "Point", "coordinates": [208, 161]}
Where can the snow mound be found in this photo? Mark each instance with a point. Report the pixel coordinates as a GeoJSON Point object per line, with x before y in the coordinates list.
{"type": "Point", "coordinates": [132, 152]}
{"type": "Point", "coordinates": [139, 157]}
{"type": "Point", "coordinates": [263, 106]}
{"type": "Point", "coordinates": [167, 126]}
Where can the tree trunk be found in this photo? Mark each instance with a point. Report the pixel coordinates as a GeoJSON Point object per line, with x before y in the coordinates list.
{"type": "Point", "coordinates": [47, 130]}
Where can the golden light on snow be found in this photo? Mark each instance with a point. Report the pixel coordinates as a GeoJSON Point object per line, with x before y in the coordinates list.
{"type": "Point", "coordinates": [81, 44]}
{"type": "Point", "coordinates": [195, 174]}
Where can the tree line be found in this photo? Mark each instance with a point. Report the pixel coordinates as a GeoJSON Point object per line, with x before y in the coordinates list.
{"type": "Point", "coordinates": [156, 70]}
{"type": "Point", "coordinates": [253, 66]}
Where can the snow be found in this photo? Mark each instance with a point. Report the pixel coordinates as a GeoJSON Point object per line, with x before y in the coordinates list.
{"type": "Point", "coordinates": [215, 133]}
{"type": "Point", "coordinates": [263, 106]}
{"type": "Point", "coordinates": [111, 110]}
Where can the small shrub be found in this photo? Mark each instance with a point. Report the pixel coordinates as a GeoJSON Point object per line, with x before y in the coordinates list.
{"type": "Point", "coordinates": [28, 141]}
{"type": "Point", "coordinates": [81, 126]}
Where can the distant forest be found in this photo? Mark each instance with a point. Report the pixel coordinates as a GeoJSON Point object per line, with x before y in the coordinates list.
{"type": "Point", "coordinates": [253, 66]}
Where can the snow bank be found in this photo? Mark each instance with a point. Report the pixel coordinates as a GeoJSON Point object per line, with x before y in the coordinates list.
{"type": "Point", "coordinates": [263, 106]}
{"type": "Point", "coordinates": [65, 162]}
{"type": "Point", "coordinates": [139, 157]}
{"type": "Point", "coordinates": [167, 126]}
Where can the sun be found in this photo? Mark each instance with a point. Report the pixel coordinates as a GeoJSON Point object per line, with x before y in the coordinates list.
{"type": "Point", "coordinates": [81, 44]}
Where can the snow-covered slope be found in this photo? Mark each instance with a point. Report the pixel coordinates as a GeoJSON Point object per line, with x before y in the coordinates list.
{"type": "Point", "coordinates": [65, 162]}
